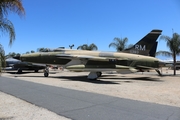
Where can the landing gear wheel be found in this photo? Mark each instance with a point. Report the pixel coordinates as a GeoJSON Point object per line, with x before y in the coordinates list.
{"type": "Point", "coordinates": [160, 74]}
{"type": "Point", "coordinates": [99, 74]}
{"type": "Point", "coordinates": [19, 71]}
{"type": "Point", "coordinates": [46, 74]}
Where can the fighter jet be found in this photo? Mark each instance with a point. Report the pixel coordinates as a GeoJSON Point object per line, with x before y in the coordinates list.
{"type": "Point", "coordinates": [14, 64]}
{"type": "Point", "coordinates": [139, 58]}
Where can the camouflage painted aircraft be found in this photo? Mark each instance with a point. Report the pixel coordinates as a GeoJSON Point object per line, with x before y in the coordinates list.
{"type": "Point", "coordinates": [139, 57]}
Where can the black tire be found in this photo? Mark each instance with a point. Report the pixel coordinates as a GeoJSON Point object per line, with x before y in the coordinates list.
{"type": "Point", "coordinates": [19, 71]}
{"type": "Point", "coordinates": [46, 74]}
{"type": "Point", "coordinates": [99, 74]}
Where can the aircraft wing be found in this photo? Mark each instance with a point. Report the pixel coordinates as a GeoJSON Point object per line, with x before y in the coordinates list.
{"type": "Point", "coordinates": [80, 63]}
{"type": "Point", "coordinates": [94, 63]}
{"type": "Point", "coordinates": [84, 62]}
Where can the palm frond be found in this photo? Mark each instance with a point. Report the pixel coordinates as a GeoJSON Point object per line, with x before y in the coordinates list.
{"type": "Point", "coordinates": [113, 45]}
{"type": "Point", "coordinates": [7, 26]}
{"type": "Point", "coordinates": [12, 6]}
{"type": "Point", "coordinates": [165, 53]}
{"type": "Point", "coordinates": [92, 47]}
{"type": "Point", "coordinates": [125, 40]}
{"type": "Point", "coordinates": [172, 43]}
{"type": "Point", "coordinates": [165, 38]}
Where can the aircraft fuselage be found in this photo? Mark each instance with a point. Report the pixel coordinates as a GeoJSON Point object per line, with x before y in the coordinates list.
{"type": "Point", "coordinates": [110, 59]}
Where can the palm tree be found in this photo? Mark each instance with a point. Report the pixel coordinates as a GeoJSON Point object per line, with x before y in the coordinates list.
{"type": "Point", "coordinates": [174, 46]}
{"type": "Point", "coordinates": [88, 47]}
{"type": "Point", "coordinates": [119, 43]}
{"type": "Point", "coordinates": [7, 6]}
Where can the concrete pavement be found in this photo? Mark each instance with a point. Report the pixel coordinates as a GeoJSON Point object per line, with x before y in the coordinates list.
{"type": "Point", "coordinates": [80, 105]}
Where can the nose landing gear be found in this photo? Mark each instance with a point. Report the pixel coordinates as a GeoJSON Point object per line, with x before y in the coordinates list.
{"type": "Point", "coordinates": [46, 72]}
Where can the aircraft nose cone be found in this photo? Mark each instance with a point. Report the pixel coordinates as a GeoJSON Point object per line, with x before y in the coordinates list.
{"type": "Point", "coordinates": [17, 57]}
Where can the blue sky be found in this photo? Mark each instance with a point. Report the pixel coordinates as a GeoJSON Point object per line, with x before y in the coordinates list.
{"type": "Point", "coordinates": [60, 23]}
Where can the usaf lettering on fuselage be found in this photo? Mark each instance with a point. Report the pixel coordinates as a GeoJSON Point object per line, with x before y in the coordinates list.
{"type": "Point", "coordinates": [138, 48]}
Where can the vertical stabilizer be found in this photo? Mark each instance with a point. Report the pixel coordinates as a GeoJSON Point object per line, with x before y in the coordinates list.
{"type": "Point", "coordinates": [146, 44]}
{"type": "Point", "coordinates": [152, 52]}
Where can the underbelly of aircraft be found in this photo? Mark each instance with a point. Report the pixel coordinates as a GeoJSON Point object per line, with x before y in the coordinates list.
{"type": "Point", "coordinates": [118, 68]}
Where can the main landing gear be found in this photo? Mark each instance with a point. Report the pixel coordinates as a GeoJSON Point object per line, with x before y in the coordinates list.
{"type": "Point", "coordinates": [94, 75]}
{"type": "Point", "coordinates": [19, 71]}
{"type": "Point", "coordinates": [46, 72]}
{"type": "Point", "coordinates": [160, 74]}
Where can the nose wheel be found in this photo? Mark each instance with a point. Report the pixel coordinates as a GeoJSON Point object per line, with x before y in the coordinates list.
{"type": "Point", "coordinates": [46, 72]}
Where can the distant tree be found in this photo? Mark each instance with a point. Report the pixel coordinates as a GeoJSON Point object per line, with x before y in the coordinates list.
{"type": "Point", "coordinates": [18, 54]}
{"type": "Point", "coordinates": [42, 50]}
{"type": "Point", "coordinates": [27, 52]}
{"type": "Point", "coordinates": [129, 46]}
{"type": "Point", "coordinates": [32, 51]}
{"type": "Point", "coordinates": [12, 54]}
{"type": "Point", "coordinates": [88, 47]}
{"type": "Point", "coordinates": [174, 46]}
{"type": "Point", "coordinates": [119, 43]}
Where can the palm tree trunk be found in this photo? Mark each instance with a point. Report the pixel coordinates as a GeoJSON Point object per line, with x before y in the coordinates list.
{"type": "Point", "coordinates": [174, 59]}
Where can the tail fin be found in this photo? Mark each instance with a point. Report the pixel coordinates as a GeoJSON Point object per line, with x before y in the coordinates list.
{"type": "Point", "coordinates": [144, 46]}
{"type": "Point", "coordinates": [152, 52]}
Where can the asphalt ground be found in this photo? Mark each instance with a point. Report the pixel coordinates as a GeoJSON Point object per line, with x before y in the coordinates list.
{"type": "Point", "coordinates": [80, 105]}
